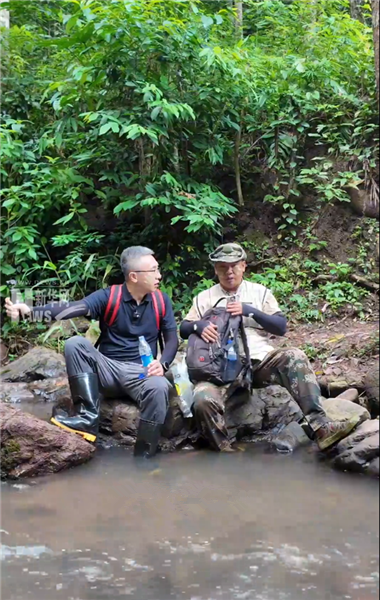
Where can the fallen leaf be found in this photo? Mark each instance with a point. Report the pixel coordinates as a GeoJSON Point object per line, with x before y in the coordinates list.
{"type": "Point", "coordinates": [337, 338]}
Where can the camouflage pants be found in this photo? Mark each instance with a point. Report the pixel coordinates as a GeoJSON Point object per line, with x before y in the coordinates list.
{"type": "Point", "coordinates": [289, 368]}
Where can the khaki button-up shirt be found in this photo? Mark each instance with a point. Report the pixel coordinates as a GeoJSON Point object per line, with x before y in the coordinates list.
{"type": "Point", "coordinates": [254, 294]}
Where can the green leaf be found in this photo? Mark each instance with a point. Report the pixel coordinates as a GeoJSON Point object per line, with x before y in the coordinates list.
{"type": "Point", "coordinates": [207, 21]}
{"type": "Point", "coordinates": [105, 128]}
{"type": "Point", "coordinates": [64, 220]}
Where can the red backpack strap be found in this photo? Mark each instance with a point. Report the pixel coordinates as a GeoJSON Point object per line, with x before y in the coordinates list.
{"type": "Point", "coordinates": [159, 307]}
{"type": "Point", "coordinates": [160, 311]}
{"type": "Point", "coordinates": [113, 304]}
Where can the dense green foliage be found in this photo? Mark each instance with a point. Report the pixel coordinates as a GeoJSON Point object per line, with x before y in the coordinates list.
{"type": "Point", "coordinates": [135, 109]}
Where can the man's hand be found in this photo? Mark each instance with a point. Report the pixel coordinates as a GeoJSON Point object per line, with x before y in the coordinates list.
{"type": "Point", "coordinates": [13, 310]}
{"type": "Point", "coordinates": [210, 334]}
{"type": "Point", "coordinates": [235, 308]}
{"type": "Point", "coordinates": [156, 369]}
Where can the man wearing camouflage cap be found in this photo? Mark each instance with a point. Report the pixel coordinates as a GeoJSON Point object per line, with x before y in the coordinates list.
{"type": "Point", "coordinates": [288, 367]}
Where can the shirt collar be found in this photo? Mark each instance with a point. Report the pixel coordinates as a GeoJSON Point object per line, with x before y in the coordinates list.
{"type": "Point", "coordinates": [127, 297]}
{"type": "Point", "coordinates": [237, 293]}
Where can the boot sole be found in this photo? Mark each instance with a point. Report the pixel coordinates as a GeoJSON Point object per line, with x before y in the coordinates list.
{"type": "Point", "coordinates": [339, 435]}
{"type": "Point", "coordinates": [87, 436]}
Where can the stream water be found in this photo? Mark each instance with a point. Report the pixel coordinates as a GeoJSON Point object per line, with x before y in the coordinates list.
{"type": "Point", "coordinates": [198, 526]}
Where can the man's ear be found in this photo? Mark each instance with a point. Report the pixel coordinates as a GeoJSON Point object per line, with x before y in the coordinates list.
{"type": "Point", "coordinates": [132, 277]}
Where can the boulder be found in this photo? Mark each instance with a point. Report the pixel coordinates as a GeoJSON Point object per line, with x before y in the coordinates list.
{"type": "Point", "coordinates": [264, 411]}
{"type": "Point", "coordinates": [364, 203]}
{"type": "Point", "coordinates": [15, 392]}
{"type": "Point", "coordinates": [3, 352]}
{"type": "Point", "coordinates": [119, 419]}
{"type": "Point", "coordinates": [55, 390]}
{"type": "Point", "coordinates": [359, 451]}
{"type": "Point", "coordinates": [68, 328]}
{"type": "Point", "coordinates": [371, 385]}
{"type": "Point", "coordinates": [339, 409]}
{"type": "Point", "coordinates": [30, 446]}
{"type": "Point", "coordinates": [352, 395]}
{"type": "Point", "coordinates": [45, 390]}
{"type": "Point", "coordinates": [291, 438]}
{"type": "Point", "coordinates": [39, 363]}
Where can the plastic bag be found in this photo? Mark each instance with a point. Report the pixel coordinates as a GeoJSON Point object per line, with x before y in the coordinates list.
{"type": "Point", "coordinates": [184, 388]}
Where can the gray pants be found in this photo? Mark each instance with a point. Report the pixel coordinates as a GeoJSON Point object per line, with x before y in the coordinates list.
{"type": "Point", "coordinates": [118, 379]}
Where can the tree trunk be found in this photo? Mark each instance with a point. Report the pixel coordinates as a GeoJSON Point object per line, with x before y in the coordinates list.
{"type": "Point", "coordinates": [356, 10]}
{"type": "Point", "coordinates": [145, 168]}
{"type": "Point", "coordinates": [239, 18]}
{"type": "Point", "coordinates": [375, 25]}
{"type": "Point", "coordinates": [237, 168]}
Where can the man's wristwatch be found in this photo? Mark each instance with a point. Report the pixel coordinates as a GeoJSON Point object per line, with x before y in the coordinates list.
{"type": "Point", "coordinates": [165, 366]}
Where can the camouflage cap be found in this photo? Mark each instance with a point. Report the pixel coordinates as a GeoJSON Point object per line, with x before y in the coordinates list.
{"type": "Point", "coordinates": [228, 253]}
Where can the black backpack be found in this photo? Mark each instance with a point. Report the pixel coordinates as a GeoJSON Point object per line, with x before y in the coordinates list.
{"type": "Point", "coordinates": [208, 362]}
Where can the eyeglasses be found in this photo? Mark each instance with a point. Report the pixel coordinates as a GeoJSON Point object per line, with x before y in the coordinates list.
{"type": "Point", "coordinates": [156, 270]}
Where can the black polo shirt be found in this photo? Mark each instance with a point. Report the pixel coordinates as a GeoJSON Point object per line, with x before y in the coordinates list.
{"type": "Point", "coordinates": [120, 341]}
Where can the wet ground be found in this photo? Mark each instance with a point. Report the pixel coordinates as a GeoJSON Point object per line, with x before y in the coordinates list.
{"type": "Point", "coordinates": [198, 526]}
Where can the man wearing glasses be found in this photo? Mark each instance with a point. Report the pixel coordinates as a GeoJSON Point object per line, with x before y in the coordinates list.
{"type": "Point", "coordinates": [287, 367]}
{"type": "Point", "coordinates": [115, 369]}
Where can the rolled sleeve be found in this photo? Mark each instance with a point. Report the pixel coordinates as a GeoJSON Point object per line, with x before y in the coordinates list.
{"type": "Point", "coordinates": [193, 314]}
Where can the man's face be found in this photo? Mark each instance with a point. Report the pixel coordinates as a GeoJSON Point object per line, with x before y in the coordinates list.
{"type": "Point", "coordinates": [147, 275]}
{"type": "Point", "coordinates": [230, 275]}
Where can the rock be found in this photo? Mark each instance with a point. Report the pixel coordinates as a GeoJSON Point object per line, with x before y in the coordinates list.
{"type": "Point", "coordinates": [15, 392]}
{"type": "Point", "coordinates": [360, 450]}
{"type": "Point", "coordinates": [119, 419]}
{"type": "Point", "coordinates": [263, 411]}
{"type": "Point", "coordinates": [39, 363]}
{"type": "Point", "coordinates": [93, 332]}
{"type": "Point", "coordinates": [371, 385]}
{"type": "Point", "coordinates": [31, 447]}
{"type": "Point", "coordinates": [290, 438]}
{"type": "Point", "coordinates": [351, 395]}
{"type": "Point", "coordinates": [3, 352]}
{"type": "Point", "coordinates": [332, 387]}
{"type": "Point", "coordinates": [339, 410]}
{"type": "Point", "coordinates": [119, 416]}
{"type": "Point", "coordinates": [373, 468]}
{"type": "Point", "coordinates": [46, 390]}
{"type": "Point", "coordinates": [363, 203]}
{"type": "Point", "coordinates": [55, 390]}
{"type": "Point", "coordinates": [67, 328]}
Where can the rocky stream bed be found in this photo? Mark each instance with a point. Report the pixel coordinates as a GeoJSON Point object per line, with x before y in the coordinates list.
{"type": "Point", "coordinates": [31, 446]}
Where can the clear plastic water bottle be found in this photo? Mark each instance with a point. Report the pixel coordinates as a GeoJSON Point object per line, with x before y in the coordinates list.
{"type": "Point", "coordinates": [231, 362]}
{"type": "Point", "coordinates": [145, 352]}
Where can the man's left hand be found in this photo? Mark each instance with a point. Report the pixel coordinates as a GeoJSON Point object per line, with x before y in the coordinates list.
{"type": "Point", "coordinates": [156, 369]}
{"type": "Point", "coordinates": [235, 308]}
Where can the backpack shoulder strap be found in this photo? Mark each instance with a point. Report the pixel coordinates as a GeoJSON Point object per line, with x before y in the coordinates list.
{"type": "Point", "coordinates": [112, 307]}
{"type": "Point", "coordinates": [159, 307]}
{"type": "Point", "coordinates": [113, 304]}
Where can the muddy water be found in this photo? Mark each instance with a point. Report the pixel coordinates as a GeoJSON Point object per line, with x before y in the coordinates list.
{"type": "Point", "coordinates": [200, 526]}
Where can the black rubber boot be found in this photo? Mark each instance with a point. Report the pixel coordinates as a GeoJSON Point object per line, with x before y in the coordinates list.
{"type": "Point", "coordinates": [148, 436]}
{"type": "Point", "coordinates": [86, 399]}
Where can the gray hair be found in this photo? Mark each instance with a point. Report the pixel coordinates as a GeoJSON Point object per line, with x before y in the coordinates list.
{"type": "Point", "coordinates": [130, 257]}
